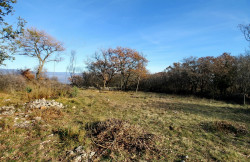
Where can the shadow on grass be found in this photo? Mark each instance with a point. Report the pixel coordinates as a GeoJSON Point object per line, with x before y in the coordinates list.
{"type": "Point", "coordinates": [221, 113]}
{"type": "Point", "coordinates": [66, 134]}
{"type": "Point", "coordinates": [225, 127]}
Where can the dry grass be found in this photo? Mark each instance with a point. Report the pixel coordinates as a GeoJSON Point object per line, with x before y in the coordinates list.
{"type": "Point", "coordinates": [47, 114]}
{"type": "Point", "coordinates": [116, 137]}
{"type": "Point", "coordinates": [12, 83]}
{"type": "Point", "coordinates": [47, 89]}
{"type": "Point", "coordinates": [177, 120]}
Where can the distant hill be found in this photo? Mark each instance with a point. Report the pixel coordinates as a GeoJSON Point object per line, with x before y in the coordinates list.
{"type": "Point", "coordinates": [62, 76]}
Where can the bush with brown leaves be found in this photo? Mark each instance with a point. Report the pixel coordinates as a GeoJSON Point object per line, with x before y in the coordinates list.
{"type": "Point", "coordinates": [27, 74]}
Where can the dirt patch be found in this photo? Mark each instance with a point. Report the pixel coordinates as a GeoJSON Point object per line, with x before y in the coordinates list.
{"type": "Point", "coordinates": [116, 137]}
{"type": "Point", "coordinates": [225, 127]}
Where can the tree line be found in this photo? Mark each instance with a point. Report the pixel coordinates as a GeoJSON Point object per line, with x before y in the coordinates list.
{"type": "Point", "coordinates": [222, 77]}
{"type": "Point", "coordinates": [125, 68]}
{"type": "Point", "coordinates": [219, 77]}
{"type": "Point", "coordinates": [114, 67]}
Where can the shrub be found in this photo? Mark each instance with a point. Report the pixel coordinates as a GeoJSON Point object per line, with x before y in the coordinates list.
{"type": "Point", "coordinates": [74, 92]}
{"type": "Point", "coordinates": [76, 80]}
{"type": "Point", "coordinates": [48, 89]}
{"type": "Point", "coordinates": [27, 74]}
{"type": "Point", "coordinates": [28, 89]}
{"type": "Point", "coordinates": [12, 82]}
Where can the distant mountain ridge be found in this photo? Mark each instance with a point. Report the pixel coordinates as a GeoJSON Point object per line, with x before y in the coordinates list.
{"type": "Point", "coordinates": [62, 76]}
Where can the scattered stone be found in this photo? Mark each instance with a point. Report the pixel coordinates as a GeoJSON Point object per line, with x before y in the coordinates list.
{"type": "Point", "coordinates": [79, 149]}
{"type": "Point", "coordinates": [23, 124]}
{"type": "Point", "coordinates": [44, 142]}
{"type": "Point", "coordinates": [38, 118]}
{"type": "Point", "coordinates": [6, 100]}
{"type": "Point", "coordinates": [7, 110]}
{"type": "Point", "coordinates": [79, 154]}
{"type": "Point", "coordinates": [91, 154]}
{"type": "Point", "coordinates": [70, 153]}
{"type": "Point", "coordinates": [78, 158]}
{"type": "Point", "coordinates": [184, 157]}
{"type": "Point", "coordinates": [44, 104]}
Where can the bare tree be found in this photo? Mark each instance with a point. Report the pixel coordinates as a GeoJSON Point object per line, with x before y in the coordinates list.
{"type": "Point", "coordinates": [72, 64]}
{"type": "Point", "coordinates": [40, 45]}
{"type": "Point", "coordinates": [245, 29]}
{"type": "Point", "coordinates": [103, 66]}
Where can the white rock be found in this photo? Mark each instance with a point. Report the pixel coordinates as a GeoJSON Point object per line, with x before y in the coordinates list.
{"type": "Point", "coordinates": [91, 154]}
{"type": "Point", "coordinates": [70, 153]}
{"type": "Point", "coordinates": [78, 159]}
{"type": "Point", "coordinates": [79, 149]}
{"type": "Point", "coordinates": [38, 118]}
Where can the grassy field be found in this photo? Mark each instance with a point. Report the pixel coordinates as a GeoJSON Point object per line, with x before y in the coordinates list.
{"type": "Point", "coordinates": [189, 128]}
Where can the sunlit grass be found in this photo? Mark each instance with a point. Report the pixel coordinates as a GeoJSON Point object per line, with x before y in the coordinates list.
{"type": "Point", "coordinates": [177, 119]}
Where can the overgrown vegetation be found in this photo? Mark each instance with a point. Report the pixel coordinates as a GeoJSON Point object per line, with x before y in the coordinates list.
{"type": "Point", "coordinates": [128, 126]}
{"type": "Point", "coordinates": [31, 89]}
{"type": "Point", "coordinates": [222, 77]}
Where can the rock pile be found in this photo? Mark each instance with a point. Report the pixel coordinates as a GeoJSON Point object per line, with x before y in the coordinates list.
{"type": "Point", "coordinates": [7, 110]}
{"type": "Point", "coordinates": [21, 117]}
{"type": "Point", "coordinates": [79, 154]}
{"type": "Point", "coordinates": [42, 103]}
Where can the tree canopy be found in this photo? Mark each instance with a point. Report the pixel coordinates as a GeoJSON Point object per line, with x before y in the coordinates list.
{"type": "Point", "coordinates": [40, 45]}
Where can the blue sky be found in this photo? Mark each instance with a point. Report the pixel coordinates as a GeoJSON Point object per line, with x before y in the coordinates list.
{"type": "Point", "coordinates": [166, 31]}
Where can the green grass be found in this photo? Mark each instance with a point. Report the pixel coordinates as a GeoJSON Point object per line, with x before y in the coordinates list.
{"type": "Point", "coordinates": [156, 113]}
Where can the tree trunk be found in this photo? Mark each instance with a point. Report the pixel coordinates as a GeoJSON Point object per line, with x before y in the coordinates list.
{"type": "Point", "coordinates": [121, 84]}
{"type": "Point", "coordinates": [137, 84]}
{"type": "Point", "coordinates": [104, 84]}
{"type": "Point", "coordinates": [39, 70]}
{"type": "Point", "coordinates": [244, 99]}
